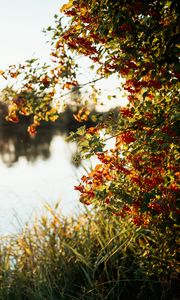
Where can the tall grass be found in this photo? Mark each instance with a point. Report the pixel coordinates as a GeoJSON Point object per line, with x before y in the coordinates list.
{"type": "Point", "coordinates": [94, 256]}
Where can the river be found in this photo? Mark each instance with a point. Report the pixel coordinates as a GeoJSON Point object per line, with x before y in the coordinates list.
{"type": "Point", "coordinates": [35, 171]}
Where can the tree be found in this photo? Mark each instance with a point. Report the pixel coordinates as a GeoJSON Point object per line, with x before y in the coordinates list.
{"type": "Point", "coordinates": [138, 41]}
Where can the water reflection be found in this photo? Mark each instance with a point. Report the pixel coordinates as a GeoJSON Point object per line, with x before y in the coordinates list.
{"type": "Point", "coordinates": [25, 187]}
{"type": "Point", "coordinates": [16, 143]}
{"type": "Point", "coordinates": [37, 170]}
{"type": "Point", "coordinates": [34, 171]}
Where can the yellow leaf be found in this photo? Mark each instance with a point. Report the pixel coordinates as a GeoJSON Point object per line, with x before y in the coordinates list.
{"type": "Point", "coordinates": [83, 11]}
{"type": "Point", "coordinates": [78, 26]}
{"type": "Point", "coordinates": [82, 115]}
{"type": "Point", "coordinates": [66, 6]}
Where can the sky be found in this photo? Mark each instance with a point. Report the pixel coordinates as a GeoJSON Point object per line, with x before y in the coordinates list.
{"type": "Point", "coordinates": [21, 25]}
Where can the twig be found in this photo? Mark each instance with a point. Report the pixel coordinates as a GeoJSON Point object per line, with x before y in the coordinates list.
{"type": "Point", "coordinates": [81, 86]}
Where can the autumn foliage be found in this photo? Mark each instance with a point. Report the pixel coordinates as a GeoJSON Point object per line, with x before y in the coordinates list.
{"type": "Point", "coordinates": [137, 41]}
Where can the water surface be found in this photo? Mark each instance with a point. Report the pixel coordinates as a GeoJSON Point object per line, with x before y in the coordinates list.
{"type": "Point", "coordinates": [35, 171]}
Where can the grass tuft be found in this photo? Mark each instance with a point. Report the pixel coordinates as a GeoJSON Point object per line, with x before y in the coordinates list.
{"type": "Point", "coordinates": [92, 257]}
